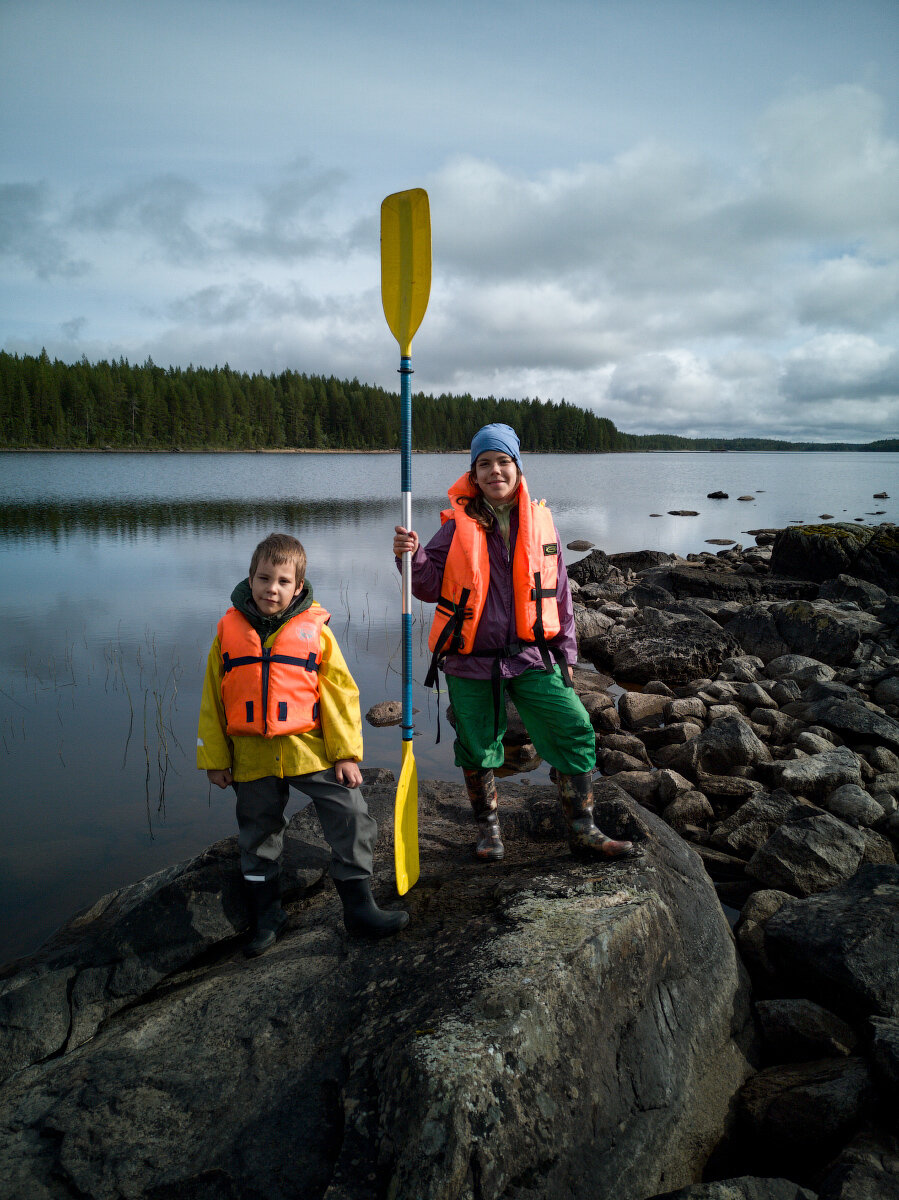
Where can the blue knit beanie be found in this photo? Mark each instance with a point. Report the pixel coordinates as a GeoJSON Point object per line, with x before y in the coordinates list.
{"type": "Point", "coordinates": [496, 437]}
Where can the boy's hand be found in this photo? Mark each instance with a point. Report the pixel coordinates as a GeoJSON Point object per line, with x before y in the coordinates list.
{"type": "Point", "coordinates": [221, 778]}
{"type": "Point", "coordinates": [347, 772]}
{"type": "Point", "coordinates": [404, 540]}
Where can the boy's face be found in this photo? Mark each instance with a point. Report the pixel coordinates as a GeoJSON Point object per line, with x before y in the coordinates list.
{"type": "Point", "coordinates": [274, 586]}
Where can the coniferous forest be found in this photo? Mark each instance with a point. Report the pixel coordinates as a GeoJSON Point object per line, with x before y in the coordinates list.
{"type": "Point", "coordinates": [48, 404]}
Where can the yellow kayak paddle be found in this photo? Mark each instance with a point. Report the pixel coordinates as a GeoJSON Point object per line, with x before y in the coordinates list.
{"type": "Point", "coordinates": [405, 288]}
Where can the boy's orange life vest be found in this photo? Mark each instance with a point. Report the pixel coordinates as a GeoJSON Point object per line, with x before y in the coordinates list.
{"type": "Point", "coordinates": [269, 691]}
{"type": "Point", "coordinates": [466, 577]}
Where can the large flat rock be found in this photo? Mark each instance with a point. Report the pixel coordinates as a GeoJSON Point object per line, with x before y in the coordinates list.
{"type": "Point", "coordinates": [579, 1026]}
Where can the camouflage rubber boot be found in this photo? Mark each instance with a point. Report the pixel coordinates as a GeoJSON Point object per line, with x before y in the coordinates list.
{"type": "Point", "coordinates": [481, 789]}
{"type": "Point", "coordinates": [576, 794]}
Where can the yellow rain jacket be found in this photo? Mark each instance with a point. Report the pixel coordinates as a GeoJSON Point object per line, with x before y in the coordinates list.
{"type": "Point", "coordinates": [254, 757]}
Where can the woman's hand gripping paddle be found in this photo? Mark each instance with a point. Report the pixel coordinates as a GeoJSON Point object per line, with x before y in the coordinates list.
{"type": "Point", "coordinates": [405, 288]}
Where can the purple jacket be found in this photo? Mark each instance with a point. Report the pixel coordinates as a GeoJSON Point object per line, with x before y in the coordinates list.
{"type": "Point", "coordinates": [497, 625]}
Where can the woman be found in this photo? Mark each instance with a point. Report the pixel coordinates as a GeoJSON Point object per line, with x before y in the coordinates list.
{"type": "Point", "coordinates": [504, 623]}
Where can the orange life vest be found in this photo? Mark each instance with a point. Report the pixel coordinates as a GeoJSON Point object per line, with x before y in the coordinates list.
{"type": "Point", "coordinates": [269, 691]}
{"type": "Point", "coordinates": [466, 576]}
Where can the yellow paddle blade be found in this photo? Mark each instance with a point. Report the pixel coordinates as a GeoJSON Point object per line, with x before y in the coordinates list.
{"type": "Point", "coordinates": [405, 263]}
{"type": "Point", "coordinates": [405, 823]}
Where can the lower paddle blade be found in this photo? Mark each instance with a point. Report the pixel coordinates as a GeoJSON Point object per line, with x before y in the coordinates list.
{"type": "Point", "coordinates": [405, 823]}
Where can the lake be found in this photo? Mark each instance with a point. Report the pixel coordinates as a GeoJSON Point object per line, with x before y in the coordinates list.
{"type": "Point", "coordinates": [116, 568]}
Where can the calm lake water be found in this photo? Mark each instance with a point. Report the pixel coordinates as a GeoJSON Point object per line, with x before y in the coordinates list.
{"type": "Point", "coordinates": [115, 569]}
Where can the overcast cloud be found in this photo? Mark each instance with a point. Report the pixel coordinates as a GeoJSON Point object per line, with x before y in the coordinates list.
{"type": "Point", "coordinates": [684, 216]}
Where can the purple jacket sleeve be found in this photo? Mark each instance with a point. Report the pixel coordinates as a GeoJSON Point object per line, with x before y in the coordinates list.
{"type": "Point", "coordinates": [428, 563]}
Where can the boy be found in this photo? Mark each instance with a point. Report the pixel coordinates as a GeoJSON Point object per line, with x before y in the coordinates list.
{"type": "Point", "coordinates": [280, 708]}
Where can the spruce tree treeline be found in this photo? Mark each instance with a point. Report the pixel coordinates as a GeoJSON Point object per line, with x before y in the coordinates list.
{"type": "Point", "coordinates": [55, 405]}
{"type": "Point", "coordinates": [72, 406]}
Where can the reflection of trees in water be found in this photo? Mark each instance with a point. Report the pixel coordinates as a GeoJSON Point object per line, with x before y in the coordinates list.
{"type": "Point", "coordinates": [53, 519]}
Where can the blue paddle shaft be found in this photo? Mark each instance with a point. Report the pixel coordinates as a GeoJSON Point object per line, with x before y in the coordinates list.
{"type": "Point", "coordinates": [406, 485]}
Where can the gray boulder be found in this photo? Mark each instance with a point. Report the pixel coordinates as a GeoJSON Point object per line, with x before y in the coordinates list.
{"type": "Point", "coordinates": [749, 827]}
{"type": "Point", "coordinates": [866, 1169]}
{"type": "Point", "coordinates": [852, 803]}
{"type": "Point", "coordinates": [854, 722]}
{"type": "Point", "coordinates": [842, 948]}
{"type": "Point", "coordinates": [820, 774]}
{"type": "Point", "coordinates": [802, 1111]}
{"type": "Point", "coordinates": [807, 854]}
{"type": "Point", "coordinates": [498, 1037]}
{"type": "Point", "coordinates": [821, 552]}
{"type": "Point", "coordinates": [113, 954]}
{"type": "Point", "coordinates": [744, 1187]}
{"type": "Point", "coordinates": [679, 652]}
{"type": "Point", "coordinates": [800, 668]}
{"type": "Point", "coordinates": [726, 743]}
{"type": "Point", "coordinates": [801, 1031]}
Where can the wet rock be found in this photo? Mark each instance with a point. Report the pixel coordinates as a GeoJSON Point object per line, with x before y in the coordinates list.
{"type": "Point", "coordinates": [682, 512]}
{"type": "Point", "coordinates": [727, 743]}
{"type": "Point", "coordinates": [841, 948]}
{"type": "Point", "coordinates": [750, 931]}
{"type": "Point", "coordinates": [885, 1050]}
{"type": "Point", "coordinates": [679, 651]}
{"type": "Point", "coordinates": [820, 774]}
{"type": "Point", "coordinates": [409, 1060]}
{"type": "Point", "coordinates": [851, 802]}
{"type": "Point", "coordinates": [807, 854]}
{"type": "Point", "coordinates": [801, 1031]}
{"type": "Point", "coordinates": [595, 568]}
{"type": "Point", "coordinates": [845, 587]}
{"type": "Point", "coordinates": [112, 954]}
{"type": "Point", "coordinates": [387, 712]}
{"type": "Point", "coordinates": [688, 808]}
{"type": "Point", "coordinates": [743, 1187]}
{"type": "Point", "coordinates": [580, 544]}
{"type": "Point", "coordinates": [717, 496]}
{"type": "Point", "coordinates": [804, 1110]}
{"type": "Point", "coordinates": [854, 722]}
{"type": "Point", "coordinates": [822, 552]}
{"type": "Point", "coordinates": [749, 827]}
{"type": "Point", "coordinates": [639, 710]}
{"type": "Point", "coordinates": [866, 1169]}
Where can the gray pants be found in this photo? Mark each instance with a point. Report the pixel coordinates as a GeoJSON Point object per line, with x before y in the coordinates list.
{"type": "Point", "coordinates": [346, 823]}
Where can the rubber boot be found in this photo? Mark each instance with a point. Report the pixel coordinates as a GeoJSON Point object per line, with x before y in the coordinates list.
{"type": "Point", "coordinates": [269, 918]}
{"type": "Point", "coordinates": [576, 794]}
{"type": "Point", "coordinates": [481, 788]}
{"type": "Point", "coordinates": [361, 915]}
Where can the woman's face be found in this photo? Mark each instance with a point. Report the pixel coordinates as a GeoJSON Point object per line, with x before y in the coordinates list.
{"type": "Point", "coordinates": [497, 476]}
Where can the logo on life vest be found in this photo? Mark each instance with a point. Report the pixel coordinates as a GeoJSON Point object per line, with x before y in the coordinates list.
{"type": "Point", "coordinates": [551, 548]}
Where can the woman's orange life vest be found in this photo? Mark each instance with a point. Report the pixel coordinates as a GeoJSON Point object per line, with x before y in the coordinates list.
{"type": "Point", "coordinates": [269, 691]}
{"type": "Point", "coordinates": [466, 577]}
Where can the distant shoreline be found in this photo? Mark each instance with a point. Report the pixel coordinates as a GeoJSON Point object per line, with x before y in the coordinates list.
{"type": "Point", "coordinates": [861, 448]}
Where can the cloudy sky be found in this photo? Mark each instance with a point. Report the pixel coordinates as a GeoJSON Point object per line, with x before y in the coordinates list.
{"type": "Point", "coordinates": [683, 214]}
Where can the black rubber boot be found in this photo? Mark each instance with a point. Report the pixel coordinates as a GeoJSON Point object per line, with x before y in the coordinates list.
{"type": "Point", "coordinates": [268, 917]}
{"type": "Point", "coordinates": [481, 788]}
{"type": "Point", "coordinates": [361, 915]}
{"type": "Point", "coordinates": [576, 794]}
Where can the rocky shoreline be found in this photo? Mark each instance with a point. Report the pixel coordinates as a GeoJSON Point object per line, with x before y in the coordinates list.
{"type": "Point", "coordinates": [543, 1028]}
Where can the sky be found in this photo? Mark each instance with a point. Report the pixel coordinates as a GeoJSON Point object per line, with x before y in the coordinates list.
{"type": "Point", "coordinates": [681, 214]}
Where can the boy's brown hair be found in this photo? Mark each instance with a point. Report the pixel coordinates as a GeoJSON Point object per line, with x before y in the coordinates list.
{"type": "Point", "coordinates": [280, 548]}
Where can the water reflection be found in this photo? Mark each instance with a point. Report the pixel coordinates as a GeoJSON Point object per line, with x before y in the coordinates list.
{"type": "Point", "coordinates": [57, 519]}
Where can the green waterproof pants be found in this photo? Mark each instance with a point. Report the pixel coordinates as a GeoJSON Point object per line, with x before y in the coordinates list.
{"type": "Point", "coordinates": [554, 717]}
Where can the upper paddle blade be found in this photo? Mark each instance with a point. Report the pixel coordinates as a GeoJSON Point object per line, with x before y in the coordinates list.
{"type": "Point", "coordinates": [405, 263]}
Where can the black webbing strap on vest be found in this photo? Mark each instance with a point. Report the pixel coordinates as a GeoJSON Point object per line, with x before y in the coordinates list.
{"type": "Point", "coordinates": [267, 658]}
{"type": "Point", "coordinates": [449, 639]}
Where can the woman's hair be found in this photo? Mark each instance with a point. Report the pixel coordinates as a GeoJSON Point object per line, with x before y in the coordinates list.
{"type": "Point", "coordinates": [476, 506]}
